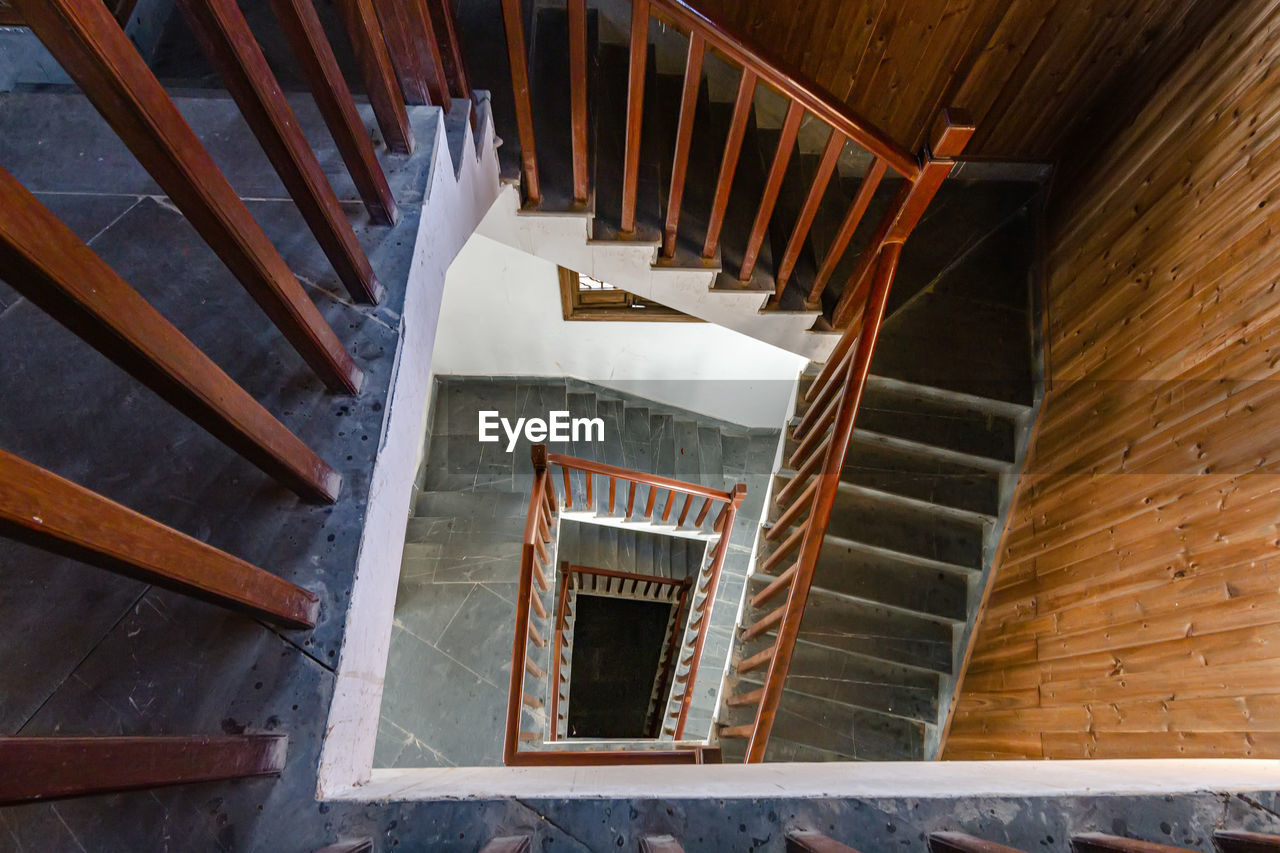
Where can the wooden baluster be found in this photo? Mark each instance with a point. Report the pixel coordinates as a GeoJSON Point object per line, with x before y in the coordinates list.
{"type": "Point", "coordinates": [777, 585]}
{"type": "Point", "coordinates": [49, 768]}
{"type": "Point", "coordinates": [793, 512]}
{"type": "Point", "coordinates": [427, 44]}
{"type": "Point", "coordinates": [754, 662]}
{"type": "Point", "coordinates": [702, 513]}
{"type": "Point", "coordinates": [823, 501]}
{"type": "Point", "coordinates": [779, 554]}
{"type": "Point", "coordinates": [817, 434]}
{"type": "Point", "coordinates": [866, 191]}
{"type": "Point", "coordinates": [455, 68]}
{"type": "Point", "coordinates": [513, 20]}
{"type": "Point", "coordinates": [578, 97]}
{"type": "Point", "coordinates": [815, 842]}
{"type": "Point", "coordinates": [729, 163]}
{"type": "Point", "coordinates": [509, 843]}
{"type": "Point", "coordinates": [666, 509]}
{"type": "Point", "coordinates": [832, 378]}
{"type": "Point", "coordinates": [684, 511]}
{"type": "Point", "coordinates": [379, 74]}
{"type": "Point", "coordinates": [635, 112]}
{"type": "Point", "coordinates": [224, 35]}
{"type": "Point", "coordinates": [42, 509]}
{"type": "Point", "coordinates": [591, 497]}
{"type": "Point", "coordinates": [950, 134]}
{"type": "Point", "coordinates": [738, 494]}
{"type": "Point", "coordinates": [93, 50]}
{"type": "Point", "coordinates": [804, 472]}
{"type": "Point", "coordinates": [648, 504]}
{"type": "Point", "coordinates": [395, 20]}
{"type": "Point", "coordinates": [773, 617]}
{"type": "Point", "coordinates": [43, 260]}
{"type": "Point", "coordinates": [568, 491]}
{"type": "Point", "coordinates": [800, 233]}
{"type": "Point", "coordinates": [311, 48]}
{"type": "Point", "coordinates": [772, 187]}
{"type": "Point", "coordinates": [958, 842]}
{"type": "Point", "coordinates": [631, 497]}
{"type": "Point", "coordinates": [613, 488]}
{"type": "Point", "coordinates": [684, 138]}
{"type": "Point", "coordinates": [538, 606]}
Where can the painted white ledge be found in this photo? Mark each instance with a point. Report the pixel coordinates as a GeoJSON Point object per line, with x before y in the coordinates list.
{"type": "Point", "coordinates": [916, 779]}
{"type": "Point", "coordinates": [454, 205]}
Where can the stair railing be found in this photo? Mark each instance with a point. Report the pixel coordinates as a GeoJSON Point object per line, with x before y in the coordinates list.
{"type": "Point", "coordinates": [823, 434]}
{"type": "Point", "coordinates": [545, 505]}
{"type": "Point", "coordinates": [47, 262]}
{"type": "Point", "coordinates": [803, 96]}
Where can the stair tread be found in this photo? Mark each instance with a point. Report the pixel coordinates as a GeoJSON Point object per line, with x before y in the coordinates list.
{"type": "Point", "coordinates": [867, 629]}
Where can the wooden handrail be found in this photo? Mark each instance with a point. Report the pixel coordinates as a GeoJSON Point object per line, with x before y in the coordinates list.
{"type": "Point", "coordinates": [713, 584]}
{"type": "Point", "coordinates": [557, 648]}
{"type": "Point", "coordinates": [574, 463]}
{"type": "Point", "coordinates": [823, 501]}
{"type": "Point", "coordinates": [542, 509]}
{"type": "Point", "coordinates": [791, 82]}
{"type": "Point", "coordinates": [627, 576]}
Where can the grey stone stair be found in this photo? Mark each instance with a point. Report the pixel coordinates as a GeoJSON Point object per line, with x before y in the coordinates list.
{"type": "Point", "coordinates": [918, 510]}
{"type": "Point", "coordinates": [463, 542]}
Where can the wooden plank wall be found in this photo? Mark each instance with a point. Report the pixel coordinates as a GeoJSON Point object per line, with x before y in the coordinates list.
{"type": "Point", "coordinates": [1027, 70]}
{"type": "Point", "coordinates": [1135, 610]}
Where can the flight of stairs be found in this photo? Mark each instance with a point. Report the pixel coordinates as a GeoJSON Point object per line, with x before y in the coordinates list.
{"type": "Point", "coordinates": [469, 520]}
{"type": "Point", "coordinates": [587, 239]}
{"type": "Point", "coordinates": [929, 470]}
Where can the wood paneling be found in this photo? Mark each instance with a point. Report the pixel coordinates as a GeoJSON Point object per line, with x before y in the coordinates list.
{"type": "Point", "coordinates": [1027, 70]}
{"type": "Point", "coordinates": [1135, 606]}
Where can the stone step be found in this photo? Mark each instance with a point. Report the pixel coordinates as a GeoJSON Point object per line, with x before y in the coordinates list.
{"type": "Point", "coordinates": [472, 504]}
{"type": "Point", "coordinates": [826, 673]}
{"type": "Point", "coordinates": [889, 578]}
{"type": "Point", "coordinates": [969, 425]}
{"type": "Point", "coordinates": [911, 527]}
{"type": "Point", "coordinates": [862, 628]}
{"type": "Point", "coordinates": [918, 471]}
{"type": "Point", "coordinates": [843, 732]}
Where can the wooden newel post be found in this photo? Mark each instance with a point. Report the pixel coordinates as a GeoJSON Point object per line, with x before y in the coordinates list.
{"type": "Point", "coordinates": [951, 132]}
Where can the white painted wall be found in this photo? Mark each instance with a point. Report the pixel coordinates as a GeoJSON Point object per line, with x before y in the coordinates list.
{"type": "Point", "coordinates": [455, 203]}
{"type": "Point", "coordinates": [501, 316]}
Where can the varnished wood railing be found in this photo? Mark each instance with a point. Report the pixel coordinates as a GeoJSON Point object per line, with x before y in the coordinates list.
{"type": "Point", "coordinates": [43, 259]}
{"type": "Point", "coordinates": [823, 436]}
{"type": "Point", "coordinates": [824, 431]}
{"type": "Point", "coordinates": [536, 564]}
{"type": "Point", "coordinates": [757, 66]}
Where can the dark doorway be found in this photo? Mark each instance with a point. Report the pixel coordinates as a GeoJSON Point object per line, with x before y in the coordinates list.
{"type": "Point", "coordinates": [617, 643]}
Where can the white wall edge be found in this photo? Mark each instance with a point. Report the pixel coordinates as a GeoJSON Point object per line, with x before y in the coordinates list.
{"type": "Point", "coordinates": [451, 211]}
{"type": "Point", "coordinates": [934, 779]}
